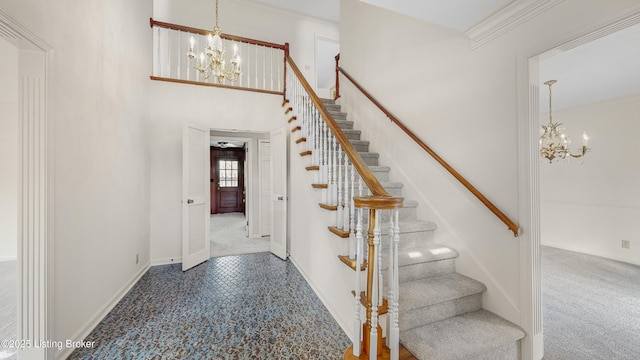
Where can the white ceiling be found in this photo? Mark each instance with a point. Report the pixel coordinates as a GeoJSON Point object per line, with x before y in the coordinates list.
{"type": "Point", "coordinates": [328, 10]}
{"type": "Point", "coordinates": [455, 14]}
{"type": "Point", "coordinates": [603, 69]}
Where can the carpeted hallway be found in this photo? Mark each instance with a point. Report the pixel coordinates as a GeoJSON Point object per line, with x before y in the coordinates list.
{"type": "Point", "coordinates": [591, 307]}
{"type": "Point", "coordinates": [235, 307]}
{"type": "Point", "coordinates": [229, 237]}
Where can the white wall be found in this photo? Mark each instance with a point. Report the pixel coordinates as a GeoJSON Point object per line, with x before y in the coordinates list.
{"type": "Point", "coordinates": [98, 110]}
{"type": "Point", "coordinates": [313, 249]}
{"type": "Point", "coordinates": [462, 103]}
{"type": "Point", "coordinates": [253, 20]}
{"type": "Point", "coordinates": [8, 150]}
{"type": "Point", "coordinates": [591, 207]}
{"type": "Point", "coordinates": [172, 106]}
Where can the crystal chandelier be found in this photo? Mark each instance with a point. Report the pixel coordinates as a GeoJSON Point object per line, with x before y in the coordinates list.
{"type": "Point", "coordinates": [213, 61]}
{"type": "Point", "coordinates": [554, 143]}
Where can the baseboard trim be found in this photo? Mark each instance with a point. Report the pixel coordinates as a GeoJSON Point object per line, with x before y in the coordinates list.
{"type": "Point", "coordinates": [8, 258]}
{"type": "Point", "coordinates": [100, 315]}
{"type": "Point", "coordinates": [588, 252]}
{"type": "Point", "coordinates": [166, 261]}
{"type": "Point", "coordinates": [347, 329]}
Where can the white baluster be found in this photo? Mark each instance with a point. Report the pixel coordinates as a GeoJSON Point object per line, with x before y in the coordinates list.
{"type": "Point", "coordinates": [178, 71]}
{"type": "Point", "coordinates": [325, 159]}
{"type": "Point", "coordinates": [394, 329]}
{"type": "Point", "coordinates": [289, 76]}
{"type": "Point", "coordinates": [264, 67]}
{"type": "Point", "coordinates": [357, 328]}
{"type": "Point", "coordinates": [279, 76]}
{"type": "Point", "coordinates": [345, 196]}
{"type": "Point", "coordinates": [331, 167]}
{"type": "Point", "coordinates": [271, 67]}
{"type": "Point", "coordinates": [339, 182]}
{"type": "Point", "coordinates": [373, 262]}
{"type": "Point", "coordinates": [352, 213]}
{"type": "Point", "coordinates": [256, 69]}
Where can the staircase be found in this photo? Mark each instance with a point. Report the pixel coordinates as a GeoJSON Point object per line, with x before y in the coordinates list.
{"type": "Point", "coordinates": [441, 315]}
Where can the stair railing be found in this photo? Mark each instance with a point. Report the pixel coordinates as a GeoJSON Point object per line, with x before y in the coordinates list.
{"type": "Point", "coordinates": [511, 225]}
{"type": "Point", "coordinates": [262, 63]}
{"type": "Point", "coordinates": [359, 199]}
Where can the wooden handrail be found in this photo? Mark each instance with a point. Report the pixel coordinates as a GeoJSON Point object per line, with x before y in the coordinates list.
{"type": "Point", "coordinates": [365, 173]}
{"type": "Point", "coordinates": [511, 225]}
{"type": "Point", "coordinates": [200, 83]}
{"type": "Point", "coordinates": [192, 30]}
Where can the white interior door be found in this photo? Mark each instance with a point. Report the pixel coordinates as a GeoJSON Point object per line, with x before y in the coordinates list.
{"type": "Point", "coordinates": [265, 187]}
{"type": "Point", "coordinates": [279, 193]}
{"type": "Point", "coordinates": [195, 196]}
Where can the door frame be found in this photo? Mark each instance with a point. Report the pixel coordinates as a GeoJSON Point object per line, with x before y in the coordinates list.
{"type": "Point", "coordinates": [529, 177]}
{"type": "Point", "coordinates": [35, 195]}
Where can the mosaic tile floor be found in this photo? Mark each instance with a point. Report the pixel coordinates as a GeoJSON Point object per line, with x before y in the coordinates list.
{"type": "Point", "coordinates": [236, 307]}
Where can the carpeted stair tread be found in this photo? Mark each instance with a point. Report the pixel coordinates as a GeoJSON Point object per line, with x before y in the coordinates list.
{"type": "Point", "coordinates": [479, 335]}
{"type": "Point", "coordinates": [328, 101]}
{"type": "Point", "coordinates": [433, 290]}
{"type": "Point", "coordinates": [410, 226]}
{"type": "Point", "coordinates": [427, 252]}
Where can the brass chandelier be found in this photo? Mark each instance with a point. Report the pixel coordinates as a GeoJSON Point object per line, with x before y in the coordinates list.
{"type": "Point", "coordinates": [554, 143]}
{"type": "Point", "coordinates": [213, 61]}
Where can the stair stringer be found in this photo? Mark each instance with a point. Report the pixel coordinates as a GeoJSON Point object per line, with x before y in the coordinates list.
{"type": "Point", "coordinates": [484, 228]}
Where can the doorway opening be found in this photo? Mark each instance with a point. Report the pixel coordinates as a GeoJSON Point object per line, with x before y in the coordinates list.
{"type": "Point", "coordinates": [531, 170]}
{"type": "Point", "coordinates": [9, 60]}
{"type": "Point", "coordinates": [237, 185]}
{"type": "Point", "coordinates": [588, 206]}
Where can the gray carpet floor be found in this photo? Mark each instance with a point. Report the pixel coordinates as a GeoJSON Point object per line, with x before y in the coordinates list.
{"type": "Point", "coordinates": [229, 236]}
{"type": "Point", "coordinates": [591, 307]}
{"type": "Point", "coordinates": [8, 306]}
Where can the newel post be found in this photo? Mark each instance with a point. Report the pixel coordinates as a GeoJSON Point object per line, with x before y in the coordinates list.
{"type": "Point", "coordinates": [372, 346]}
{"type": "Point", "coordinates": [284, 82]}
{"type": "Point", "coordinates": [337, 95]}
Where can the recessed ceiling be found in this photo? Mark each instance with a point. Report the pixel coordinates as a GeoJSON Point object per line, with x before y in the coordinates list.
{"type": "Point", "coordinates": [604, 69]}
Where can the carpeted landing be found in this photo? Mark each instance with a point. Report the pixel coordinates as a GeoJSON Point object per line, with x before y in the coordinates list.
{"type": "Point", "coordinates": [236, 307]}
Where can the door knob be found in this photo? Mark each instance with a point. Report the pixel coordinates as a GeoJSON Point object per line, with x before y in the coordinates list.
{"type": "Point", "coordinates": [189, 201]}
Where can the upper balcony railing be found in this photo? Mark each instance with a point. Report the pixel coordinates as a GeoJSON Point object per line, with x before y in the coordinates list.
{"type": "Point", "coordinates": [261, 63]}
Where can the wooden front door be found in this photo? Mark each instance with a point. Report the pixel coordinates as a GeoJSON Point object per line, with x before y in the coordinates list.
{"type": "Point", "coordinates": [227, 180]}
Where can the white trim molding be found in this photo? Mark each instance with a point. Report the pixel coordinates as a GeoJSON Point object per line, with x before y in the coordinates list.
{"type": "Point", "coordinates": [35, 195]}
{"type": "Point", "coordinates": [506, 19]}
{"type": "Point", "coordinates": [103, 312]}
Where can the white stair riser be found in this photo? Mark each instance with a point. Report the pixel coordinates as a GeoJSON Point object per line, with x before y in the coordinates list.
{"type": "Point", "coordinates": [426, 269]}
{"type": "Point", "coordinates": [418, 317]}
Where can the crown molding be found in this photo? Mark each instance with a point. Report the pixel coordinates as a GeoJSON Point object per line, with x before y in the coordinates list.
{"type": "Point", "coordinates": [12, 30]}
{"type": "Point", "coordinates": [506, 19]}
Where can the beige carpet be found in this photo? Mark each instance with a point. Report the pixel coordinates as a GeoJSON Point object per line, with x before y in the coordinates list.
{"type": "Point", "coordinates": [229, 236]}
